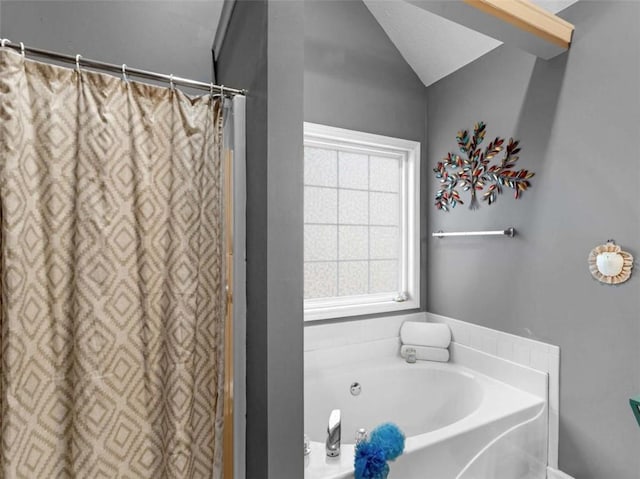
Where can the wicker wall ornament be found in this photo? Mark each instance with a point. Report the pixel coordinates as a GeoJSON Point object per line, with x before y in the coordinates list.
{"type": "Point", "coordinates": [474, 173]}
{"type": "Point", "coordinates": [609, 264]}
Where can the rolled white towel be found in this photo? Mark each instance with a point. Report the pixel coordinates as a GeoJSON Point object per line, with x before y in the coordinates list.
{"type": "Point", "coordinates": [425, 353]}
{"type": "Point", "coordinates": [434, 335]}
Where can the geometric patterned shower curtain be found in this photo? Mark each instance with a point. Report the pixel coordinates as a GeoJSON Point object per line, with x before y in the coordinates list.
{"type": "Point", "coordinates": [112, 277]}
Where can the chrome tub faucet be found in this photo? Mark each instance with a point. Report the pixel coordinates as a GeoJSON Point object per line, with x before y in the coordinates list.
{"type": "Point", "coordinates": [333, 434]}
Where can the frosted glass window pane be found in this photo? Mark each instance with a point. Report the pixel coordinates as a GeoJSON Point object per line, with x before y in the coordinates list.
{"type": "Point", "coordinates": [320, 280]}
{"type": "Point", "coordinates": [384, 242]}
{"type": "Point", "coordinates": [320, 205]}
{"type": "Point", "coordinates": [354, 242]}
{"type": "Point", "coordinates": [320, 167]}
{"type": "Point", "coordinates": [320, 243]}
{"type": "Point", "coordinates": [353, 277]}
{"type": "Point", "coordinates": [383, 277]}
{"type": "Point", "coordinates": [353, 170]}
{"type": "Point", "coordinates": [385, 209]}
{"type": "Point", "coordinates": [384, 174]}
{"type": "Point", "coordinates": [354, 207]}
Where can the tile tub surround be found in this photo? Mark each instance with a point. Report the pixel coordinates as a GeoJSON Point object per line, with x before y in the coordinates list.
{"type": "Point", "coordinates": [334, 334]}
{"type": "Point", "coordinates": [369, 337]}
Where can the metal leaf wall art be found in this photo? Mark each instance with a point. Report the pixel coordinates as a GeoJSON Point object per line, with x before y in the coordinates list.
{"type": "Point", "coordinates": [472, 172]}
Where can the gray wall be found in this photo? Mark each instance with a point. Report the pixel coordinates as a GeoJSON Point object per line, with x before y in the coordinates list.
{"type": "Point", "coordinates": [167, 37]}
{"type": "Point", "coordinates": [578, 118]}
{"type": "Point", "coordinates": [242, 61]}
{"type": "Point", "coordinates": [355, 78]}
{"type": "Point", "coordinates": [263, 52]}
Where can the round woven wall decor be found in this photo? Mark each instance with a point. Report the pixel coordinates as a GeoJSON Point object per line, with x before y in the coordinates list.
{"type": "Point", "coordinates": [609, 264]}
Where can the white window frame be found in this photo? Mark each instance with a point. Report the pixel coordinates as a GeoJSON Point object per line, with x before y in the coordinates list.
{"type": "Point", "coordinates": [409, 151]}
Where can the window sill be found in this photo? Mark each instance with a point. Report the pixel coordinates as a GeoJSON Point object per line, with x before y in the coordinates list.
{"type": "Point", "coordinates": [345, 311]}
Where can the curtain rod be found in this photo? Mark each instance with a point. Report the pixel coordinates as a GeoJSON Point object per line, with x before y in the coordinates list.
{"type": "Point", "coordinates": [120, 69]}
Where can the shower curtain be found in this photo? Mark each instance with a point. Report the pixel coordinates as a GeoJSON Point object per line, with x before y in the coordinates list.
{"type": "Point", "coordinates": [112, 277]}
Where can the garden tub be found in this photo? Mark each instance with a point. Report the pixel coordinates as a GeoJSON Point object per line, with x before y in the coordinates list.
{"type": "Point", "coordinates": [458, 422]}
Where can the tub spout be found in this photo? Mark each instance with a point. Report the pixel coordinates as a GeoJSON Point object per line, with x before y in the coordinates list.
{"type": "Point", "coordinates": [333, 434]}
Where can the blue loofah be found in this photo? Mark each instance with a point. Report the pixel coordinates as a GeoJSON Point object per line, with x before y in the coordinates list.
{"type": "Point", "coordinates": [389, 438]}
{"type": "Point", "coordinates": [385, 443]}
{"type": "Point", "coordinates": [370, 461]}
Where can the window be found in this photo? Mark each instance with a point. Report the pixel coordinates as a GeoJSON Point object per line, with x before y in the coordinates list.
{"type": "Point", "coordinates": [361, 223]}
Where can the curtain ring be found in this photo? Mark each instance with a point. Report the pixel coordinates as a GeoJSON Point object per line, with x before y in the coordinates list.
{"type": "Point", "coordinates": [211, 89]}
{"type": "Point", "coordinates": [4, 41]}
{"type": "Point", "coordinates": [124, 72]}
{"type": "Point", "coordinates": [78, 57]}
{"type": "Point", "coordinates": [171, 84]}
{"type": "Point", "coordinates": [222, 93]}
{"type": "Point", "coordinates": [22, 49]}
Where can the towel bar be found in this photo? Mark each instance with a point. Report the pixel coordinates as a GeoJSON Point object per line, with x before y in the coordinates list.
{"type": "Point", "coordinates": [510, 232]}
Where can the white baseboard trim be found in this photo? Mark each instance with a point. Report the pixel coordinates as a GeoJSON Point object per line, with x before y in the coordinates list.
{"type": "Point", "coordinates": [555, 474]}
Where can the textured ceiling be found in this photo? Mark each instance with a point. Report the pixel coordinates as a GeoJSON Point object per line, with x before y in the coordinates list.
{"type": "Point", "coordinates": [433, 46]}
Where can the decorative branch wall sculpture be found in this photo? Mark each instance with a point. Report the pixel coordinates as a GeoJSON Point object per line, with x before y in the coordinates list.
{"type": "Point", "coordinates": [473, 173]}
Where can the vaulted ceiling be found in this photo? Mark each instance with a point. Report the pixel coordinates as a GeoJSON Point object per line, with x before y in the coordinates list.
{"type": "Point", "coordinates": [433, 46]}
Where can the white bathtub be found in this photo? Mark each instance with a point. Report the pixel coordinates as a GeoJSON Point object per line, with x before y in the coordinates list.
{"type": "Point", "coordinates": [459, 423]}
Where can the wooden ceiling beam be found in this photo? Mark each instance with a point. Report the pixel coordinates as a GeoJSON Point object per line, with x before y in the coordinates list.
{"type": "Point", "coordinates": [517, 22]}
